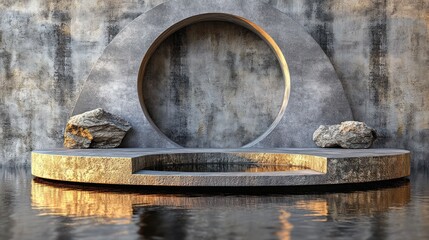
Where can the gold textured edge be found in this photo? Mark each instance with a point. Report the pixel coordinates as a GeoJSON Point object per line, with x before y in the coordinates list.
{"type": "Point", "coordinates": [119, 170]}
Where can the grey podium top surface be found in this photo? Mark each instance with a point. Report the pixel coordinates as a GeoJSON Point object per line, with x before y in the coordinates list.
{"type": "Point", "coordinates": [137, 152]}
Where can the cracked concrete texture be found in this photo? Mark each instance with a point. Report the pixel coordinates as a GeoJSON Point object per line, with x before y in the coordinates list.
{"type": "Point", "coordinates": [378, 48]}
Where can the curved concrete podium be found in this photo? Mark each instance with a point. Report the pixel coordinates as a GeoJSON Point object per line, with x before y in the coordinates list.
{"type": "Point", "coordinates": [132, 166]}
{"type": "Point", "coordinates": [312, 95]}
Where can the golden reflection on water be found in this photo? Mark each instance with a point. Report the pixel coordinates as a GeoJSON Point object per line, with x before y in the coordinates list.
{"type": "Point", "coordinates": [319, 208]}
{"type": "Point", "coordinates": [286, 226]}
{"type": "Point", "coordinates": [62, 201]}
{"type": "Point", "coordinates": [116, 207]}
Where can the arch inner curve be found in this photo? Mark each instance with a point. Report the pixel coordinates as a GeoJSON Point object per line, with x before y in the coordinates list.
{"type": "Point", "coordinates": [214, 80]}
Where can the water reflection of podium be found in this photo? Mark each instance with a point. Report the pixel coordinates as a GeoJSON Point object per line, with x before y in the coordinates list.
{"type": "Point", "coordinates": [175, 213]}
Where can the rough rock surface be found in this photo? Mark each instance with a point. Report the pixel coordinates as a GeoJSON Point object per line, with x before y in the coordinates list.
{"type": "Point", "coordinates": [349, 134]}
{"type": "Point", "coordinates": [95, 129]}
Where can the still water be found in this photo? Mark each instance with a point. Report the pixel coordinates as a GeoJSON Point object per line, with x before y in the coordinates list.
{"type": "Point", "coordinates": [32, 209]}
{"type": "Point", "coordinates": [223, 167]}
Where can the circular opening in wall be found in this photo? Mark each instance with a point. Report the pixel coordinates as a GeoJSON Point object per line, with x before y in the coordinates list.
{"type": "Point", "coordinates": [214, 81]}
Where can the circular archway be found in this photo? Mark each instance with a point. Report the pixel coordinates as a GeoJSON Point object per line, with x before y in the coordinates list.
{"type": "Point", "coordinates": [214, 80]}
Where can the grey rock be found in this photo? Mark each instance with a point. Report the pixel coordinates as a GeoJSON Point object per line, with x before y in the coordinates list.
{"type": "Point", "coordinates": [95, 129]}
{"type": "Point", "coordinates": [324, 136]}
{"type": "Point", "coordinates": [349, 134]}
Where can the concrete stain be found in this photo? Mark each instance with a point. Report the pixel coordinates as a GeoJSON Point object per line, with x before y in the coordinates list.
{"type": "Point", "coordinates": [378, 65]}
{"type": "Point", "coordinates": [112, 29]}
{"type": "Point", "coordinates": [322, 31]}
{"type": "Point", "coordinates": [6, 126]}
{"type": "Point", "coordinates": [7, 133]}
{"type": "Point", "coordinates": [7, 66]}
{"type": "Point", "coordinates": [231, 59]}
{"type": "Point", "coordinates": [6, 88]}
{"type": "Point", "coordinates": [63, 82]}
{"type": "Point", "coordinates": [179, 85]}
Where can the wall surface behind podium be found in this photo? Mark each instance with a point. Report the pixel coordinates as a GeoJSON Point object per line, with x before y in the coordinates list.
{"type": "Point", "coordinates": [379, 49]}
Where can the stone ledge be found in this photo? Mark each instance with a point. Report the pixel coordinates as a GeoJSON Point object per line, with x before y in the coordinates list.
{"type": "Point", "coordinates": [126, 166]}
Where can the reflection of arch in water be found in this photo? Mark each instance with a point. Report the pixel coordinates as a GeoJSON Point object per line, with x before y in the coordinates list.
{"type": "Point", "coordinates": [59, 200]}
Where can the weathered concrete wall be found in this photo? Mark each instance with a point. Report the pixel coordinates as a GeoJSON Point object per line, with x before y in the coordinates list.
{"type": "Point", "coordinates": [47, 49]}
{"type": "Point", "coordinates": [378, 47]}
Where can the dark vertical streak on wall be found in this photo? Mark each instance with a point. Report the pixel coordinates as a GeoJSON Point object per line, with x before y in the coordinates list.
{"type": "Point", "coordinates": [112, 30]}
{"type": "Point", "coordinates": [63, 76]}
{"type": "Point", "coordinates": [7, 65]}
{"type": "Point", "coordinates": [112, 20]}
{"type": "Point", "coordinates": [6, 87]}
{"type": "Point", "coordinates": [117, 14]}
{"type": "Point", "coordinates": [7, 135]}
{"type": "Point", "coordinates": [179, 85]}
{"type": "Point", "coordinates": [322, 32]}
{"type": "Point", "coordinates": [232, 83]}
{"type": "Point", "coordinates": [409, 128]}
{"type": "Point", "coordinates": [378, 69]}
